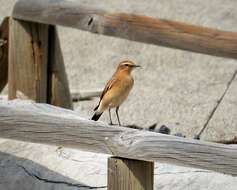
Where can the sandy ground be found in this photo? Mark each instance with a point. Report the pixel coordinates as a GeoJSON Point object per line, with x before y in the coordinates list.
{"type": "Point", "coordinates": [176, 88]}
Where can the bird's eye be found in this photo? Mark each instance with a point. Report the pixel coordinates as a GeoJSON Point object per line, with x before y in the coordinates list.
{"type": "Point", "coordinates": [126, 65]}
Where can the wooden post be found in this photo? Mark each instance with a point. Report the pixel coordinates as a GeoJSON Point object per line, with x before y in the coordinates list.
{"type": "Point", "coordinates": [36, 67]}
{"type": "Point", "coordinates": [4, 28]}
{"type": "Point", "coordinates": [28, 58]}
{"type": "Point", "coordinates": [58, 87]}
{"type": "Point", "coordinates": [127, 174]}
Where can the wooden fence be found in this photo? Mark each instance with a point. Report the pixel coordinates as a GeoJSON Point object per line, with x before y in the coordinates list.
{"type": "Point", "coordinates": [31, 61]}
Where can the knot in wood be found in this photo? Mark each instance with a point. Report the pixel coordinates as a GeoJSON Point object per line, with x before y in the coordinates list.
{"type": "Point", "coordinates": [2, 42]}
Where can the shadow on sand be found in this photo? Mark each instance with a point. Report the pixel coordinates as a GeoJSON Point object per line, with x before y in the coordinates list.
{"type": "Point", "coordinates": [22, 174]}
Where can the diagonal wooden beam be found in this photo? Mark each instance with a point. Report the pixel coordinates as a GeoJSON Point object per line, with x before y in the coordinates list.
{"type": "Point", "coordinates": [129, 26]}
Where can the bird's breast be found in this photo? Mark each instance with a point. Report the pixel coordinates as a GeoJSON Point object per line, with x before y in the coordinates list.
{"type": "Point", "coordinates": [121, 91]}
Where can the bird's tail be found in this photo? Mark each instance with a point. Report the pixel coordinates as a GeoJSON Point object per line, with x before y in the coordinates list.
{"type": "Point", "coordinates": [96, 116]}
{"type": "Point", "coordinates": [96, 107]}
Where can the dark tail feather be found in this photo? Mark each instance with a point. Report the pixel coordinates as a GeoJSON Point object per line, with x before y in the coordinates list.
{"type": "Point", "coordinates": [96, 116]}
{"type": "Point", "coordinates": [96, 107]}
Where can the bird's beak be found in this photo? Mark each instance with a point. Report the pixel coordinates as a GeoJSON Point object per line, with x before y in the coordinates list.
{"type": "Point", "coordinates": [136, 65]}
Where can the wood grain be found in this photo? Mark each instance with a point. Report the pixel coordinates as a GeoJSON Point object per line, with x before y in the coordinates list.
{"type": "Point", "coordinates": [58, 86]}
{"type": "Point", "coordinates": [28, 60]}
{"type": "Point", "coordinates": [127, 174]}
{"type": "Point", "coordinates": [4, 30]}
{"type": "Point", "coordinates": [133, 27]}
{"type": "Point", "coordinates": [46, 124]}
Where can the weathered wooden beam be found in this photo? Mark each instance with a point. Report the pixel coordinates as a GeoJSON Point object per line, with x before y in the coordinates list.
{"type": "Point", "coordinates": [128, 174]}
{"type": "Point", "coordinates": [46, 124]}
{"type": "Point", "coordinates": [58, 86]}
{"type": "Point", "coordinates": [133, 27]}
{"type": "Point", "coordinates": [85, 94]}
{"type": "Point", "coordinates": [28, 60]}
{"type": "Point", "coordinates": [4, 30]}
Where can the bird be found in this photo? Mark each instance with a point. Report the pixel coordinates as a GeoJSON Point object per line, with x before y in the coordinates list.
{"type": "Point", "coordinates": [116, 90]}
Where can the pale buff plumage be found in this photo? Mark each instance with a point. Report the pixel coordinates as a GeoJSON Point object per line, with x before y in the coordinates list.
{"type": "Point", "coordinates": [116, 90]}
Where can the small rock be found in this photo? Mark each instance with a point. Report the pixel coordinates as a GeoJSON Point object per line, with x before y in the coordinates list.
{"type": "Point", "coordinates": [152, 127]}
{"type": "Point", "coordinates": [179, 135]}
{"type": "Point", "coordinates": [164, 130]}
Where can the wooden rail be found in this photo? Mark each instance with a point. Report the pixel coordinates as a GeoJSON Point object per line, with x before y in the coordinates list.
{"type": "Point", "coordinates": [133, 27]}
{"type": "Point", "coordinates": [85, 94]}
{"type": "Point", "coordinates": [46, 124]}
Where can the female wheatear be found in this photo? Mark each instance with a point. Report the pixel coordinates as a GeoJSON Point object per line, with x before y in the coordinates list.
{"type": "Point", "coordinates": [116, 90]}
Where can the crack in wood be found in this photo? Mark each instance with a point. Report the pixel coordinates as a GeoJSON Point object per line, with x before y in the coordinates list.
{"type": "Point", "coordinates": [183, 172]}
{"type": "Point", "coordinates": [90, 21]}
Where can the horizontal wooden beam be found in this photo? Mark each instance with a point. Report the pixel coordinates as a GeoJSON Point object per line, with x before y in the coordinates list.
{"type": "Point", "coordinates": [41, 123]}
{"type": "Point", "coordinates": [133, 27]}
{"type": "Point", "coordinates": [85, 94]}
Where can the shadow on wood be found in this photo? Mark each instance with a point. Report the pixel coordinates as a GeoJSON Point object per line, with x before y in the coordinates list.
{"type": "Point", "coordinates": [58, 87]}
{"type": "Point", "coordinates": [4, 31]}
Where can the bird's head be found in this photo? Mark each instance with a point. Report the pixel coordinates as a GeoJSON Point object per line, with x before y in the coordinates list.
{"type": "Point", "coordinates": [127, 66]}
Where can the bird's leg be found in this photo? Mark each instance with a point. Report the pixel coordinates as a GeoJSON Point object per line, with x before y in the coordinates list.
{"type": "Point", "coordinates": [117, 109]}
{"type": "Point", "coordinates": [110, 118]}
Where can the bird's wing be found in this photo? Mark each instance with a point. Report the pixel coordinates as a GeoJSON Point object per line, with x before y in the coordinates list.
{"type": "Point", "coordinates": [108, 86]}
